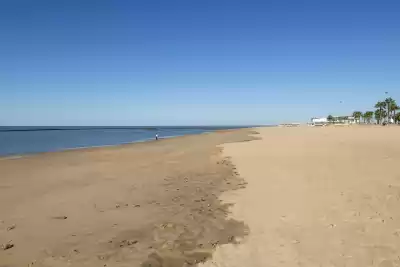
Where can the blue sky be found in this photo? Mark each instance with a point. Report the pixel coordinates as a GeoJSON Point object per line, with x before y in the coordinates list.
{"type": "Point", "coordinates": [194, 62]}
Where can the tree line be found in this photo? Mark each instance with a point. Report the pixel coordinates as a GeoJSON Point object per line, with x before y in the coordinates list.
{"type": "Point", "coordinates": [385, 112]}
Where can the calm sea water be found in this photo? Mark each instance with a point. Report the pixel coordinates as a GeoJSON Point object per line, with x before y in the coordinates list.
{"type": "Point", "coordinates": [24, 140]}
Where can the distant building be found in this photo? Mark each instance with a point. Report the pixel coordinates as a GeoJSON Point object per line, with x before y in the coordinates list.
{"type": "Point", "coordinates": [338, 120]}
{"type": "Point", "coordinates": [344, 120]}
{"type": "Point", "coordinates": [319, 121]}
{"type": "Point", "coordinates": [293, 124]}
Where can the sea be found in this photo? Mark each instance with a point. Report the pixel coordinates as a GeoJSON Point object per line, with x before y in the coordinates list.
{"type": "Point", "coordinates": [27, 140]}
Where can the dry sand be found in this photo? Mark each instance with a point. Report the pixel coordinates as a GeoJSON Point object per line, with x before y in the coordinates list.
{"type": "Point", "coordinates": [317, 197]}
{"type": "Point", "coordinates": [148, 204]}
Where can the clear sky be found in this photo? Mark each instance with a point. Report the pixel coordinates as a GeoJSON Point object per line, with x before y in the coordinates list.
{"type": "Point", "coordinates": [194, 62]}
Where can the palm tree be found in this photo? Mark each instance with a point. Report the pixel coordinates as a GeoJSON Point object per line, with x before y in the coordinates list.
{"type": "Point", "coordinates": [390, 105]}
{"type": "Point", "coordinates": [397, 118]}
{"type": "Point", "coordinates": [368, 116]}
{"type": "Point", "coordinates": [377, 115]}
{"type": "Point", "coordinates": [380, 114]}
{"type": "Point", "coordinates": [380, 105]}
{"type": "Point", "coordinates": [393, 108]}
{"type": "Point", "coordinates": [357, 115]}
{"type": "Point", "coordinates": [330, 118]}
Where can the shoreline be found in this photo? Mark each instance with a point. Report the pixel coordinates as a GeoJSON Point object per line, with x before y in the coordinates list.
{"type": "Point", "coordinates": [146, 140]}
{"type": "Point", "coordinates": [141, 203]}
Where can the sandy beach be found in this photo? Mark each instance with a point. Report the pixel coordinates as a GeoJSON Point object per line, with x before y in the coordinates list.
{"type": "Point", "coordinates": [301, 196]}
{"type": "Point", "coordinates": [145, 204]}
{"type": "Point", "coordinates": [326, 196]}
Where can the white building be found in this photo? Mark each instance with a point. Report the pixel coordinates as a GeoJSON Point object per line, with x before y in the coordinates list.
{"type": "Point", "coordinates": [344, 120]}
{"type": "Point", "coordinates": [337, 120]}
{"type": "Point", "coordinates": [319, 121]}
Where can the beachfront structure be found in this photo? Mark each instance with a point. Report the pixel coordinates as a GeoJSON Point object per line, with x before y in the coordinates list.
{"type": "Point", "coordinates": [344, 120]}
{"type": "Point", "coordinates": [335, 120]}
{"type": "Point", "coordinates": [319, 121]}
{"type": "Point", "coordinates": [293, 124]}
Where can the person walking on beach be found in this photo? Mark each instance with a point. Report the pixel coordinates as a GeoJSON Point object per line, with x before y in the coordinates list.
{"type": "Point", "coordinates": [156, 137]}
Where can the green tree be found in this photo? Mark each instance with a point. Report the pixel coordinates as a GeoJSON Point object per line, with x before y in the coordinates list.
{"type": "Point", "coordinates": [330, 119]}
{"type": "Point", "coordinates": [377, 115]}
{"type": "Point", "coordinates": [357, 115]}
{"type": "Point", "coordinates": [368, 116]}
{"type": "Point", "coordinates": [380, 105]}
{"type": "Point", "coordinates": [393, 108]}
{"type": "Point", "coordinates": [397, 118]}
{"type": "Point", "coordinates": [390, 107]}
{"type": "Point", "coordinates": [380, 115]}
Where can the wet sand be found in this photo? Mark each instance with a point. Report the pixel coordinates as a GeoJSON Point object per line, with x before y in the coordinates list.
{"type": "Point", "coordinates": [325, 196]}
{"type": "Point", "coordinates": [146, 204]}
